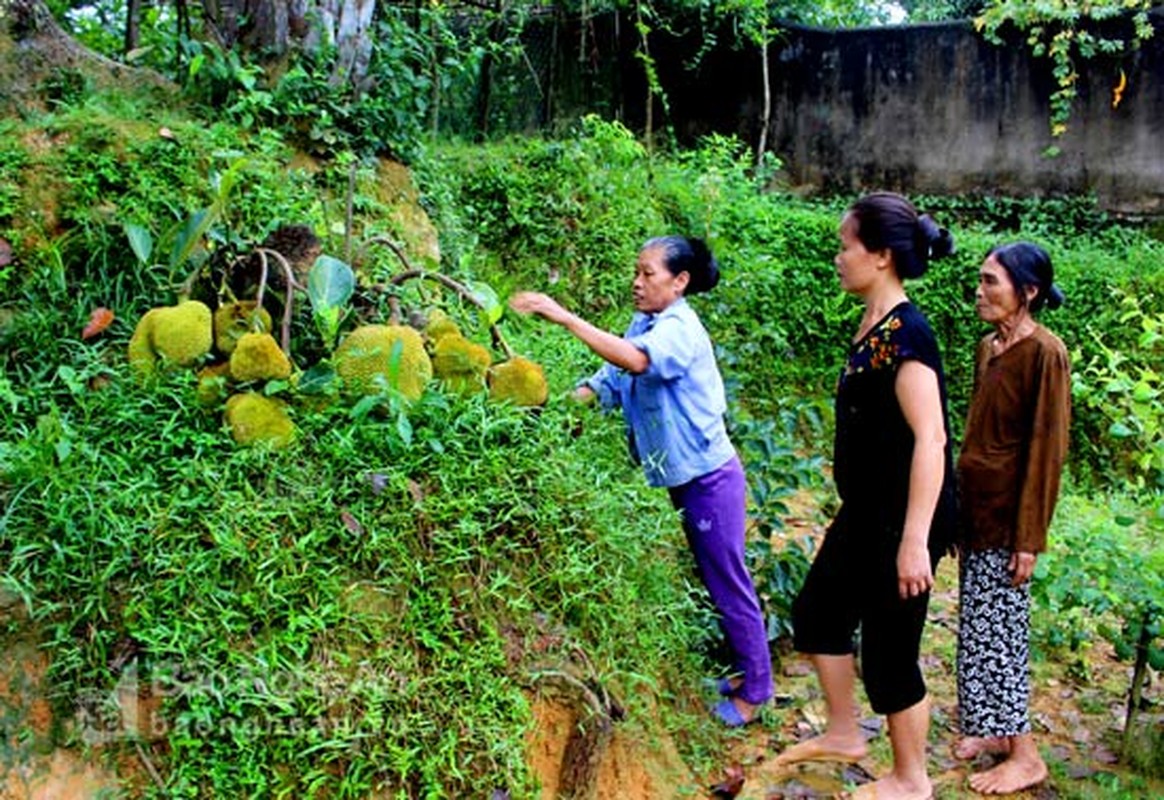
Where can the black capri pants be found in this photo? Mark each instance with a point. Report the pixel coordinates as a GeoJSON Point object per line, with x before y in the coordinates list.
{"type": "Point", "coordinates": [853, 582]}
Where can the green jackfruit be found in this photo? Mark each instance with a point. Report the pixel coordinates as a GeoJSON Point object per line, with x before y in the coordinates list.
{"type": "Point", "coordinates": [374, 356]}
{"type": "Point", "coordinates": [460, 364]}
{"type": "Point", "coordinates": [182, 333]}
{"type": "Point", "coordinates": [257, 357]}
{"type": "Point", "coordinates": [518, 381]}
{"type": "Point", "coordinates": [255, 419]}
{"type": "Point", "coordinates": [232, 320]}
{"type": "Point", "coordinates": [141, 349]}
{"type": "Point", "coordinates": [439, 326]}
{"type": "Point", "coordinates": [212, 386]}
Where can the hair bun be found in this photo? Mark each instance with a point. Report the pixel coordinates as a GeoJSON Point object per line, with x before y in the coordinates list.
{"type": "Point", "coordinates": [704, 268]}
{"type": "Point", "coordinates": [1055, 297]}
{"type": "Point", "coordinates": [938, 242]}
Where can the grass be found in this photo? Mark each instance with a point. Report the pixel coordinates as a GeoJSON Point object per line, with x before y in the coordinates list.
{"type": "Point", "coordinates": [366, 610]}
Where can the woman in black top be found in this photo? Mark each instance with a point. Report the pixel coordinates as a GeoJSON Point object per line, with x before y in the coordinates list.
{"type": "Point", "coordinates": [892, 467]}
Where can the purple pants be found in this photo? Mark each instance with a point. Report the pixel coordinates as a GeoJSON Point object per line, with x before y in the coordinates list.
{"type": "Point", "coordinates": [713, 508]}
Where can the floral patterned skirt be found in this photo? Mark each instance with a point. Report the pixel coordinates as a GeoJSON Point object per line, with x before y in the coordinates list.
{"type": "Point", "coordinates": [994, 623]}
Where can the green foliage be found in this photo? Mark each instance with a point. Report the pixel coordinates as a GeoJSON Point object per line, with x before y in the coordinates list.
{"type": "Point", "coordinates": [1067, 32]}
{"type": "Point", "coordinates": [776, 471]}
{"type": "Point", "coordinates": [1104, 575]}
{"type": "Point", "coordinates": [573, 211]}
{"type": "Point", "coordinates": [1125, 388]}
{"type": "Point", "coordinates": [379, 605]}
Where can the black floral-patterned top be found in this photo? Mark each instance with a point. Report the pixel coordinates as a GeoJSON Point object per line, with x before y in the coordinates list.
{"type": "Point", "coordinates": [873, 447]}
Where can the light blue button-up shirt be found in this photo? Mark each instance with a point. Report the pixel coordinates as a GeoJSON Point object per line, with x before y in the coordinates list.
{"type": "Point", "coordinates": [674, 410]}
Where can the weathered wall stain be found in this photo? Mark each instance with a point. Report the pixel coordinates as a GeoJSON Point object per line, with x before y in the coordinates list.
{"type": "Point", "coordinates": [921, 108]}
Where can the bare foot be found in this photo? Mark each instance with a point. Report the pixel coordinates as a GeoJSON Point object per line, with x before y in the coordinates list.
{"type": "Point", "coordinates": [892, 788]}
{"type": "Point", "coordinates": [1012, 775]}
{"type": "Point", "coordinates": [826, 747]}
{"type": "Point", "coordinates": [970, 747]}
{"type": "Point", "coordinates": [747, 710]}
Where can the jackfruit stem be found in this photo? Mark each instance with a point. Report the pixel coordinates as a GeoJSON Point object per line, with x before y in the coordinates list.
{"type": "Point", "coordinates": [464, 292]}
{"type": "Point", "coordinates": [412, 272]}
{"type": "Point", "coordinates": [292, 285]}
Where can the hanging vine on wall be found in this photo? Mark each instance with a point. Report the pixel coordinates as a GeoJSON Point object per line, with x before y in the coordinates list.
{"type": "Point", "coordinates": [1066, 31]}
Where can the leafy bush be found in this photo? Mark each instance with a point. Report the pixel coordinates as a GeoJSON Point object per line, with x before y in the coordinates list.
{"type": "Point", "coordinates": [1104, 575]}
{"type": "Point", "coordinates": [1125, 388]}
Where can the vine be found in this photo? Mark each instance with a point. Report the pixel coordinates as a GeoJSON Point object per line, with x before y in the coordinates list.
{"type": "Point", "coordinates": [1067, 31]}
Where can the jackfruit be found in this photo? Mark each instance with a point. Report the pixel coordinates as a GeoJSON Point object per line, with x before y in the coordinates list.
{"type": "Point", "coordinates": [440, 325]}
{"type": "Point", "coordinates": [518, 381]}
{"type": "Point", "coordinates": [141, 349]}
{"type": "Point", "coordinates": [460, 364]}
{"type": "Point", "coordinates": [375, 356]}
{"type": "Point", "coordinates": [232, 320]}
{"type": "Point", "coordinates": [182, 333]}
{"type": "Point", "coordinates": [212, 384]}
{"type": "Point", "coordinates": [255, 419]}
{"type": "Point", "coordinates": [257, 357]}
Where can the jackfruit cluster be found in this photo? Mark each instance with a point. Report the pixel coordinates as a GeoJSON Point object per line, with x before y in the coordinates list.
{"type": "Point", "coordinates": [255, 419]}
{"type": "Point", "coordinates": [518, 381]}
{"type": "Point", "coordinates": [440, 325]}
{"type": "Point", "coordinates": [258, 357]}
{"type": "Point", "coordinates": [180, 335]}
{"type": "Point", "coordinates": [374, 357]}
{"type": "Point", "coordinates": [234, 320]}
{"type": "Point", "coordinates": [459, 364]}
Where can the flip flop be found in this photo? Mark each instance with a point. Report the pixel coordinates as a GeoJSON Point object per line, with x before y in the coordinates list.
{"type": "Point", "coordinates": [727, 713]}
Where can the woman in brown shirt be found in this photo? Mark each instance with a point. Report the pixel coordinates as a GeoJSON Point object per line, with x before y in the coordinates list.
{"type": "Point", "coordinates": [1008, 473]}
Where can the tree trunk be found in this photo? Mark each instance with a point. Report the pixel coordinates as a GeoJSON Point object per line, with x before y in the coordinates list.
{"type": "Point", "coordinates": [591, 735]}
{"type": "Point", "coordinates": [344, 24]}
{"type": "Point", "coordinates": [132, 26]}
{"type": "Point", "coordinates": [767, 118]}
{"type": "Point", "coordinates": [42, 46]}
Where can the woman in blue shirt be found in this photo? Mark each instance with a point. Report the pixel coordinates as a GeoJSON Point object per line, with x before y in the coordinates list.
{"type": "Point", "coordinates": [662, 373]}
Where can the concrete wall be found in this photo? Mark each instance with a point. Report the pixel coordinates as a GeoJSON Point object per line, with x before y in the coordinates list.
{"type": "Point", "coordinates": [921, 109]}
{"type": "Point", "coordinates": [938, 109]}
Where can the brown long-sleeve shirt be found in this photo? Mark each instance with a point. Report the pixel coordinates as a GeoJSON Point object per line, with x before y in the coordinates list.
{"type": "Point", "coordinates": [1015, 443]}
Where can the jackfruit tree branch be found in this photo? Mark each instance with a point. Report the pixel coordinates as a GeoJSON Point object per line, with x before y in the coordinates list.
{"type": "Point", "coordinates": [289, 278]}
{"type": "Point", "coordinates": [458, 287]}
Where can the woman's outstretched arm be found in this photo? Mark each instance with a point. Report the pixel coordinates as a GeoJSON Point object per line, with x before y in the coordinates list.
{"type": "Point", "coordinates": [611, 348]}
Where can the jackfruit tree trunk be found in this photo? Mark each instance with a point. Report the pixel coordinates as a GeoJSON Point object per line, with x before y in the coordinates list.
{"type": "Point", "coordinates": [590, 736]}
{"type": "Point", "coordinates": [273, 27]}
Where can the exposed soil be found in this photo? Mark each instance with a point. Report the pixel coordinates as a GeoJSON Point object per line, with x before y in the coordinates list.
{"type": "Point", "coordinates": [630, 770]}
{"type": "Point", "coordinates": [30, 767]}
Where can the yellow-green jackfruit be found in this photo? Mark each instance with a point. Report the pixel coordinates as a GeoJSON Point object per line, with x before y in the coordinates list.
{"type": "Point", "coordinates": [460, 364]}
{"type": "Point", "coordinates": [257, 357]}
{"type": "Point", "coordinates": [518, 381]}
{"type": "Point", "coordinates": [141, 348]}
{"type": "Point", "coordinates": [212, 386]}
{"type": "Point", "coordinates": [232, 320]}
{"type": "Point", "coordinates": [439, 326]}
{"type": "Point", "coordinates": [255, 419]}
{"type": "Point", "coordinates": [182, 333]}
{"type": "Point", "coordinates": [375, 356]}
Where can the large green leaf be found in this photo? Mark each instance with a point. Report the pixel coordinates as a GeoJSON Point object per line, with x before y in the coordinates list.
{"type": "Point", "coordinates": [190, 236]}
{"type": "Point", "coordinates": [140, 241]}
{"type": "Point", "coordinates": [330, 283]}
{"type": "Point", "coordinates": [491, 304]}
